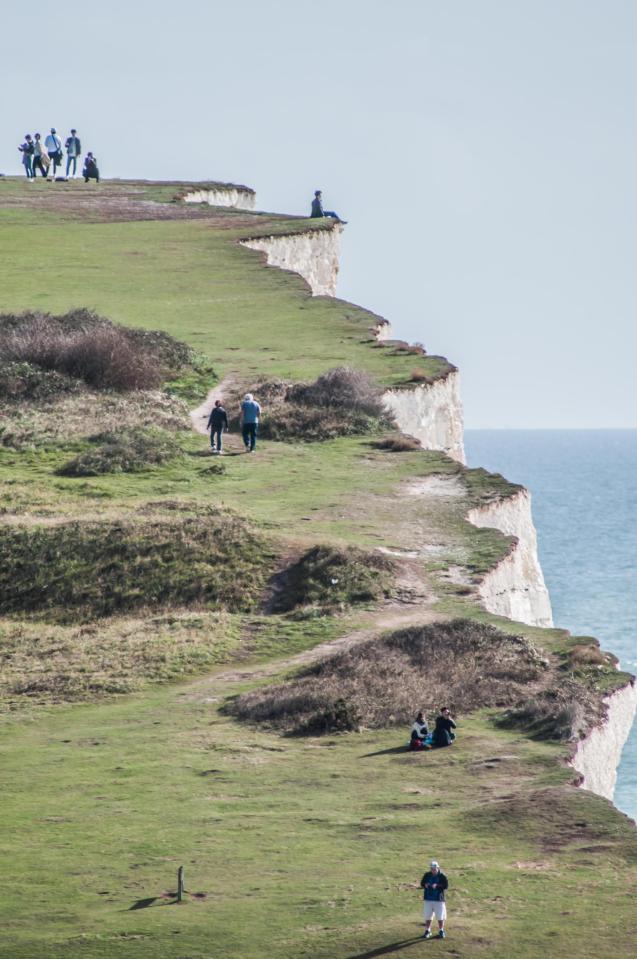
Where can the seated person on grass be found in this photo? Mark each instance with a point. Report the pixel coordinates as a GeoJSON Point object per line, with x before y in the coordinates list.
{"type": "Point", "coordinates": [419, 733]}
{"type": "Point", "coordinates": [442, 735]}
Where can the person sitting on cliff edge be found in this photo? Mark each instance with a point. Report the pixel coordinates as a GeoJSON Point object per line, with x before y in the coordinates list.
{"type": "Point", "coordinates": [318, 211]}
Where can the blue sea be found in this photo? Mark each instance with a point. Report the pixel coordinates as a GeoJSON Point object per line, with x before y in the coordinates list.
{"type": "Point", "coordinates": [584, 489]}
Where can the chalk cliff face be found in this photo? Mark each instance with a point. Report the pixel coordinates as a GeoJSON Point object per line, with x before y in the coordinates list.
{"type": "Point", "coordinates": [232, 197]}
{"type": "Point", "coordinates": [314, 255]}
{"type": "Point", "coordinates": [516, 587]}
{"type": "Point", "coordinates": [432, 413]}
{"type": "Point", "coordinates": [597, 756]}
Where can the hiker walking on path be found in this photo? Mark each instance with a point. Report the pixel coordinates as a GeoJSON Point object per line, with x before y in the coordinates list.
{"type": "Point", "coordinates": [317, 209]}
{"type": "Point", "coordinates": [53, 146]}
{"type": "Point", "coordinates": [442, 734]}
{"type": "Point", "coordinates": [41, 159]}
{"type": "Point", "coordinates": [434, 883]}
{"type": "Point", "coordinates": [26, 149]}
{"type": "Point", "coordinates": [73, 150]}
{"type": "Point", "coordinates": [217, 423]}
{"type": "Point", "coordinates": [250, 413]}
{"type": "Point", "coordinates": [90, 171]}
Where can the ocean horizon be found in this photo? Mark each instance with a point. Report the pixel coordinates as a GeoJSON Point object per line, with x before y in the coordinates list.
{"type": "Point", "coordinates": [583, 485]}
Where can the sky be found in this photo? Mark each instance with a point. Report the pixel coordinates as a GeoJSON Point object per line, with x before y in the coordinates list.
{"type": "Point", "coordinates": [483, 152]}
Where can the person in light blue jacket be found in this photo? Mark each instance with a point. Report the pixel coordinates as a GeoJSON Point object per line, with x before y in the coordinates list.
{"type": "Point", "coordinates": [250, 413]}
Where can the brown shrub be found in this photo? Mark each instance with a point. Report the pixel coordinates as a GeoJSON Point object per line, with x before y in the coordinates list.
{"type": "Point", "coordinates": [398, 444]}
{"type": "Point", "coordinates": [91, 349]}
{"type": "Point", "coordinates": [465, 664]}
{"type": "Point", "coordinates": [341, 388]}
{"type": "Point", "coordinates": [341, 402]}
{"type": "Point", "coordinates": [419, 376]}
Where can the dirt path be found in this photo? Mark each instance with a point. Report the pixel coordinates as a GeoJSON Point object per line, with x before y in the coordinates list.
{"type": "Point", "coordinates": [412, 606]}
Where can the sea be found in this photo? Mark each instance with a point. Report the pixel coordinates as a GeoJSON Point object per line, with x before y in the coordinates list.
{"type": "Point", "coordinates": [583, 485]}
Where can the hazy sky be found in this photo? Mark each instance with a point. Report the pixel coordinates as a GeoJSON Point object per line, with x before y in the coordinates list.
{"type": "Point", "coordinates": [484, 152]}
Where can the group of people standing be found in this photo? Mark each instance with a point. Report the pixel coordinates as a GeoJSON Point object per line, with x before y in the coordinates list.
{"type": "Point", "coordinates": [47, 156]}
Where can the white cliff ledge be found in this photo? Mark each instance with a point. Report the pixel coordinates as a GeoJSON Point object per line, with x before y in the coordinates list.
{"type": "Point", "coordinates": [431, 413]}
{"type": "Point", "coordinates": [238, 198]}
{"type": "Point", "coordinates": [515, 588]}
{"type": "Point", "coordinates": [312, 254]}
{"type": "Point", "coordinates": [597, 756]}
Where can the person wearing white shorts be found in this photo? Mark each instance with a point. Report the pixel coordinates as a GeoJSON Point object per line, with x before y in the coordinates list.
{"type": "Point", "coordinates": [434, 884]}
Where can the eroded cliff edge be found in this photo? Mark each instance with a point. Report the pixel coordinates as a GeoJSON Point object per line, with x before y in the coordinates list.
{"type": "Point", "coordinates": [432, 413]}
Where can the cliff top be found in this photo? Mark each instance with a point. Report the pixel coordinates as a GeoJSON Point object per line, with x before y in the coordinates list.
{"type": "Point", "coordinates": [136, 602]}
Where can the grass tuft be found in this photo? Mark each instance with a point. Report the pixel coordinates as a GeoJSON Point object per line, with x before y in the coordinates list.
{"type": "Point", "coordinates": [123, 451]}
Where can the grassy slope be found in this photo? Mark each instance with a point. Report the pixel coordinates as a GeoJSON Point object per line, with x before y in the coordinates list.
{"type": "Point", "coordinates": [313, 844]}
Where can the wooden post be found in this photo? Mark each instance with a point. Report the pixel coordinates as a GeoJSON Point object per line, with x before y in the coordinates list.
{"type": "Point", "coordinates": [180, 884]}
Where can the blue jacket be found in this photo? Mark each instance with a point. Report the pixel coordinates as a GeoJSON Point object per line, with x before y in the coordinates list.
{"type": "Point", "coordinates": [251, 411]}
{"type": "Point", "coordinates": [437, 894]}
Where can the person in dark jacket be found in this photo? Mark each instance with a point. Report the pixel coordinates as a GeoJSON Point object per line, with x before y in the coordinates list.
{"type": "Point", "coordinates": [26, 149]}
{"type": "Point", "coordinates": [434, 884]}
{"type": "Point", "coordinates": [442, 735]}
{"type": "Point", "coordinates": [217, 423]}
{"type": "Point", "coordinates": [90, 171]}
{"type": "Point", "coordinates": [317, 209]}
{"type": "Point", "coordinates": [73, 148]}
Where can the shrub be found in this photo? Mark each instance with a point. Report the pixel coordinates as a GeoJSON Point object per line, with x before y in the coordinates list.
{"type": "Point", "coordinates": [419, 376]}
{"type": "Point", "coordinates": [559, 713]}
{"type": "Point", "coordinates": [123, 451]}
{"type": "Point", "coordinates": [341, 402]}
{"type": "Point", "coordinates": [79, 570]}
{"type": "Point", "coordinates": [383, 682]}
{"type": "Point", "coordinates": [89, 348]}
{"type": "Point", "coordinates": [342, 388]}
{"type": "Point", "coordinates": [20, 380]}
{"type": "Point", "coordinates": [329, 577]}
{"type": "Point", "coordinates": [398, 444]}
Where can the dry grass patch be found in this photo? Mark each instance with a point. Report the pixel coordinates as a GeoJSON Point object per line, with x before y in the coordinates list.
{"type": "Point", "coordinates": [45, 663]}
{"type": "Point", "coordinates": [380, 683]}
{"type": "Point", "coordinates": [398, 443]}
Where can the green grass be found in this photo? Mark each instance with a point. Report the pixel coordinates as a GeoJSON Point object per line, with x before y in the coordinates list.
{"type": "Point", "coordinates": [303, 849]}
{"type": "Point", "coordinates": [309, 847]}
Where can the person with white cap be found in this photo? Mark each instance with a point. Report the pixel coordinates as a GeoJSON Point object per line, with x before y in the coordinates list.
{"type": "Point", "coordinates": [53, 146]}
{"type": "Point", "coordinates": [434, 883]}
{"type": "Point", "coordinates": [250, 414]}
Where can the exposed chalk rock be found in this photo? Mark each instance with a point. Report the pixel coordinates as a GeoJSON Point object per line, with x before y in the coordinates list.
{"type": "Point", "coordinates": [383, 331]}
{"type": "Point", "coordinates": [313, 255]}
{"type": "Point", "coordinates": [515, 588]}
{"type": "Point", "coordinates": [233, 197]}
{"type": "Point", "coordinates": [432, 414]}
{"type": "Point", "coordinates": [597, 756]}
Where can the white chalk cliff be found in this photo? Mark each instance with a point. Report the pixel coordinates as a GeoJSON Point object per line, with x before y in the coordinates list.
{"type": "Point", "coordinates": [313, 255]}
{"type": "Point", "coordinates": [235, 197]}
{"type": "Point", "coordinates": [431, 413]}
{"type": "Point", "coordinates": [515, 588]}
{"type": "Point", "coordinates": [597, 756]}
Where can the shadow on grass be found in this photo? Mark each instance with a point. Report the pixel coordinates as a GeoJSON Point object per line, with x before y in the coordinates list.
{"type": "Point", "coordinates": [390, 752]}
{"type": "Point", "coordinates": [152, 901]}
{"type": "Point", "coordinates": [387, 950]}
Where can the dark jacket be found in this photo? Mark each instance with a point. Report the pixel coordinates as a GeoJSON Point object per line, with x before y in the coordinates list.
{"type": "Point", "coordinates": [90, 167]}
{"type": "Point", "coordinates": [218, 419]}
{"type": "Point", "coordinates": [442, 733]}
{"type": "Point", "coordinates": [442, 883]}
{"type": "Point", "coordinates": [27, 148]}
{"type": "Point", "coordinates": [317, 208]}
{"type": "Point", "coordinates": [78, 145]}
